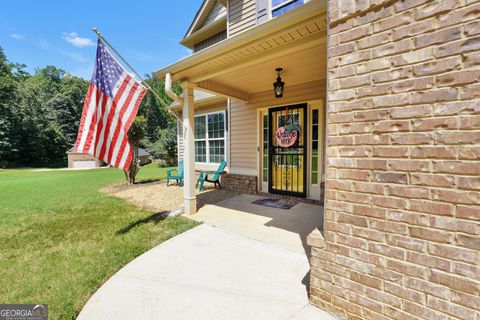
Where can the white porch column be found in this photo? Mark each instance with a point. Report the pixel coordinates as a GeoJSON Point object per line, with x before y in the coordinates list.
{"type": "Point", "coordinates": [189, 198]}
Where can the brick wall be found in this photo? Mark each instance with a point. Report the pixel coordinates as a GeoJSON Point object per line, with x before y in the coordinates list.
{"type": "Point", "coordinates": [402, 218]}
{"type": "Point", "coordinates": [240, 183]}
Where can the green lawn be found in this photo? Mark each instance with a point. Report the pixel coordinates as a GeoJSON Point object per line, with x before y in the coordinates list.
{"type": "Point", "coordinates": [60, 238]}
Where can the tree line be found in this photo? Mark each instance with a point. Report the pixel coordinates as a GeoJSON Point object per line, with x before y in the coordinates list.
{"type": "Point", "coordinates": [40, 115]}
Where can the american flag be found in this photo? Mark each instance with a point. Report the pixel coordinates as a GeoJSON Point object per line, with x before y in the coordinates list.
{"type": "Point", "coordinates": [110, 107]}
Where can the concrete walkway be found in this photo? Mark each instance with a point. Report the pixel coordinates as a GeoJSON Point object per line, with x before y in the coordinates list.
{"type": "Point", "coordinates": [208, 273]}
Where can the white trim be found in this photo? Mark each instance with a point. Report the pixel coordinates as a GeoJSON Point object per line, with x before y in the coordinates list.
{"type": "Point", "coordinates": [207, 139]}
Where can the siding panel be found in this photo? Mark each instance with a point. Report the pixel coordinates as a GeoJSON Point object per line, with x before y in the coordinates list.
{"type": "Point", "coordinates": [244, 122]}
{"type": "Point", "coordinates": [242, 15]}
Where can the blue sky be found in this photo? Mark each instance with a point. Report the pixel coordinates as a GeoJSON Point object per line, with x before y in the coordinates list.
{"type": "Point", "coordinates": [145, 32]}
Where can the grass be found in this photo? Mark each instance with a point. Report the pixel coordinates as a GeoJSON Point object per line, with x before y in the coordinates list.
{"type": "Point", "coordinates": [60, 238]}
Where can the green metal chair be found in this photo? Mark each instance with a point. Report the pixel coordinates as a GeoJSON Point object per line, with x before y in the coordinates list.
{"type": "Point", "coordinates": [216, 176]}
{"type": "Point", "coordinates": [178, 176]}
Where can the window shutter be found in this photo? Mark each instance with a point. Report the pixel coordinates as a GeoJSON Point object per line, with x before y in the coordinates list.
{"type": "Point", "coordinates": [262, 11]}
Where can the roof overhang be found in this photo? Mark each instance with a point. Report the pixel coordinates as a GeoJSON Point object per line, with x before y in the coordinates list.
{"type": "Point", "coordinates": [205, 32]}
{"type": "Point", "coordinates": [292, 36]}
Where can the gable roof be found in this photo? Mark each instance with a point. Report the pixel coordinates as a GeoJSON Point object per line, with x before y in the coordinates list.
{"type": "Point", "coordinates": [204, 13]}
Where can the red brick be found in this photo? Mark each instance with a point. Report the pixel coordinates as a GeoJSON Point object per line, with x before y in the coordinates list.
{"type": "Point", "coordinates": [438, 37]}
{"type": "Point", "coordinates": [404, 293]}
{"type": "Point", "coordinates": [408, 217]}
{"type": "Point", "coordinates": [453, 253]}
{"type": "Point", "coordinates": [433, 207]}
{"type": "Point", "coordinates": [435, 180]}
{"type": "Point", "coordinates": [454, 108]}
{"type": "Point", "coordinates": [458, 47]}
{"type": "Point", "coordinates": [431, 124]}
{"type": "Point", "coordinates": [411, 112]}
{"type": "Point", "coordinates": [455, 282]}
{"type": "Point", "coordinates": [390, 75]}
{"type": "Point", "coordinates": [450, 308]}
{"type": "Point", "coordinates": [468, 212]}
{"type": "Point", "coordinates": [414, 85]}
{"type": "Point", "coordinates": [390, 152]}
{"type": "Point", "coordinates": [471, 301]}
{"type": "Point", "coordinates": [472, 183]}
{"type": "Point", "coordinates": [390, 177]}
{"type": "Point", "coordinates": [456, 196]}
{"type": "Point", "coordinates": [437, 66]}
{"type": "Point", "coordinates": [423, 312]}
{"type": "Point", "coordinates": [407, 243]}
{"type": "Point", "coordinates": [427, 287]}
{"type": "Point", "coordinates": [432, 152]}
{"type": "Point", "coordinates": [427, 260]}
{"type": "Point", "coordinates": [409, 192]}
{"type": "Point", "coordinates": [392, 126]}
{"type": "Point", "coordinates": [413, 29]}
{"type": "Point", "coordinates": [471, 60]}
{"type": "Point", "coordinates": [472, 242]}
{"type": "Point", "coordinates": [392, 22]}
{"type": "Point", "coordinates": [409, 165]}
{"type": "Point", "coordinates": [431, 235]}
{"type": "Point", "coordinates": [411, 138]}
{"type": "Point", "coordinates": [458, 167]}
{"type": "Point", "coordinates": [458, 137]}
{"type": "Point", "coordinates": [435, 8]}
{"type": "Point", "coordinates": [454, 224]}
{"type": "Point", "coordinates": [458, 78]}
{"type": "Point", "coordinates": [439, 95]}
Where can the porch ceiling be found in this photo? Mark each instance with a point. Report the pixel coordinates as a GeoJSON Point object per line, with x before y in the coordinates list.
{"type": "Point", "coordinates": [245, 63]}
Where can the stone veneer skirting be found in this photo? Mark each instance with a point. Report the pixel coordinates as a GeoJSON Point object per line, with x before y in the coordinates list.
{"type": "Point", "coordinates": [241, 183]}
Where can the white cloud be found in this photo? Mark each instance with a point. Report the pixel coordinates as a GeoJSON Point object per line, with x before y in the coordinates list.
{"type": "Point", "coordinates": [17, 36]}
{"type": "Point", "coordinates": [74, 39]}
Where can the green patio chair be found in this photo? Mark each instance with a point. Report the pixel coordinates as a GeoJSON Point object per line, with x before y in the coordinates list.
{"type": "Point", "coordinates": [178, 176]}
{"type": "Point", "coordinates": [216, 176]}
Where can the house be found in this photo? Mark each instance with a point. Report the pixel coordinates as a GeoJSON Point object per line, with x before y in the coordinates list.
{"type": "Point", "coordinates": [144, 156]}
{"type": "Point", "coordinates": [78, 160]}
{"type": "Point", "coordinates": [379, 117]}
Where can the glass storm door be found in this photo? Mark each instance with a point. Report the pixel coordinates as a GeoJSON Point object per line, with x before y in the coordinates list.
{"type": "Point", "coordinates": [287, 168]}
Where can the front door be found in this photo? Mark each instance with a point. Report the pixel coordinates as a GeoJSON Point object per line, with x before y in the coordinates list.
{"type": "Point", "coordinates": [287, 170]}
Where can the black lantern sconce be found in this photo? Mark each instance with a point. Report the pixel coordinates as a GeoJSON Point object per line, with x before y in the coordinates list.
{"type": "Point", "coordinates": [278, 85]}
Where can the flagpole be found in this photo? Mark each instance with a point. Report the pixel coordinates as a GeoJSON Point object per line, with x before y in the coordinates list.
{"type": "Point", "coordinates": [137, 75]}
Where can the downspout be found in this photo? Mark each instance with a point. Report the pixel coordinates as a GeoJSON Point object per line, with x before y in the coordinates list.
{"type": "Point", "coordinates": [169, 91]}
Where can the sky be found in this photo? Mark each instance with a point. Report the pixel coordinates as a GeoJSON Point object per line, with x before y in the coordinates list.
{"type": "Point", "coordinates": [52, 32]}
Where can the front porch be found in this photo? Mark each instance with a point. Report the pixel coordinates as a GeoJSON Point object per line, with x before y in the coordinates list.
{"type": "Point", "coordinates": [241, 69]}
{"type": "Point", "coordinates": [285, 228]}
{"type": "Point", "coordinates": [245, 261]}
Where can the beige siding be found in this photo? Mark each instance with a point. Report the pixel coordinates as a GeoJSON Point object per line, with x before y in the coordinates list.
{"type": "Point", "coordinates": [218, 11]}
{"type": "Point", "coordinates": [179, 139]}
{"type": "Point", "coordinates": [241, 15]}
{"type": "Point", "coordinates": [244, 122]}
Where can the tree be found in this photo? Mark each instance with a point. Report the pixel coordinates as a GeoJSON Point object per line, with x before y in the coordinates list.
{"type": "Point", "coordinates": [135, 135]}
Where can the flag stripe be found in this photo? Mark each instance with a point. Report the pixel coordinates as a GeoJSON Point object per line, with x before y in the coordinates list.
{"type": "Point", "coordinates": [108, 125]}
{"type": "Point", "coordinates": [110, 106]}
{"type": "Point", "coordinates": [123, 109]}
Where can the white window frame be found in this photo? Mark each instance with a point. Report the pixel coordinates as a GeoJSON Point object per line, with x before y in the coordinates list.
{"type": "Point", "coordinates": [207, 139]}
{"type": "Point", "coordinates": [281, 5]}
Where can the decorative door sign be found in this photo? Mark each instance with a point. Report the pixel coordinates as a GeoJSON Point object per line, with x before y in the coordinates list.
{"type": "Point", "coordinates": [287, 135]}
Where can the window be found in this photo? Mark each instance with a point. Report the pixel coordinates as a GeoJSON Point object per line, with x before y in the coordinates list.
{"type": "Point", "coordinates": [210, 138]}
{"type": "Point", "coordinates": [314, 176]}
{"type": "Point", "coordinates": [281, 6]}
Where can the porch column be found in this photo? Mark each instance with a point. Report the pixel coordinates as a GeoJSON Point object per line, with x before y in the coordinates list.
{"type": "Point", "coordinates": [189, 198]}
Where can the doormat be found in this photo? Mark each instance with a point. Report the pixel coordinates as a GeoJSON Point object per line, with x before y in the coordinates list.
{"type": "Point", "coordinates": [275, 203]}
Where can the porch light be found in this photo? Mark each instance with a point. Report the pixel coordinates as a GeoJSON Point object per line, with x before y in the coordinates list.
{"type": "Point", "coordinates": [278, 85]}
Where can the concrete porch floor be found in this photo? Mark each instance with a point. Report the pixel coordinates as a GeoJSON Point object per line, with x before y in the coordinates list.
{"type": "Point", "coordinates": [250, 266]}
{"type": "Point", "coordinates": [287, 229]}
